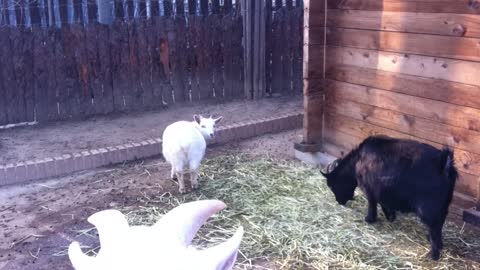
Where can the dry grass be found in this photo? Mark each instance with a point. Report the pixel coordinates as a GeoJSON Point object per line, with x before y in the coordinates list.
{"type": "Point", "coordinates": [292, 220]}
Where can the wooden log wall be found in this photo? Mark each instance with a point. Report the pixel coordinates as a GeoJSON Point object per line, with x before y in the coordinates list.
{"type": "Point", "coordinates": [178, 53]}
{"type": "Point", "coordinates": [408, 70]}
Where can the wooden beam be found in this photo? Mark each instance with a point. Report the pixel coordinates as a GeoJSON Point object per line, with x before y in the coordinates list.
{"type": "Point", "coordinates": [431, 67]}
{"type": "Point", "coordinates": [435, 89]}
{"type": "Point", "coordinates": [421, 44]}
{"type": "Point", "coordinates": [430, 6]}
{"type": "Point", "coordinates": [445, 24]}
{"type": "Point", "coordinates": [454, 115]}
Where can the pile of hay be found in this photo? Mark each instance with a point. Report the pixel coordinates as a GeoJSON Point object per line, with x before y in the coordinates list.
{"type": "Point", "coordinates": [292, 221]}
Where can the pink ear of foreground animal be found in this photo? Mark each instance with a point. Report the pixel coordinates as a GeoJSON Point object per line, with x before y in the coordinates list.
{"type": "Point", "coordinates": [164, 246]}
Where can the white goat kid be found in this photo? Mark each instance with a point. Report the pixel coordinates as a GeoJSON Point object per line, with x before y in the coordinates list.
{"type": "Point", "coordinates": [184, 144]}
{"type": "Point", "coordinates": [163, 246]}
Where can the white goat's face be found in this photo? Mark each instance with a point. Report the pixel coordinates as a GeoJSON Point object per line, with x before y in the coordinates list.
{"type": "Point", "coordinates": [163, 246]}
{"type": "Point", "coordinates": [207, 125]}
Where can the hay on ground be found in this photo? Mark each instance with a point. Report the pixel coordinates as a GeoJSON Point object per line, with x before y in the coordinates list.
{"type": "Point", "coordinates": [292, 220]}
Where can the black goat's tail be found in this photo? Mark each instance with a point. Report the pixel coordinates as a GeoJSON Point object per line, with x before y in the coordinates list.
{"type": "Point", "coordinates": [448, 165]}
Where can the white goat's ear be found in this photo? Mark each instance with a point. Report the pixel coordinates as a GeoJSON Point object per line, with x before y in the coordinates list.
{"type": "Point", "coordinates": [197, 118]}
{"type": "Point", "coordinates": [111, 226]}
{"type": "Point", "coordinates": [80, 260]}
{"type": "Point", "coordinates": [218, 120]}
{"type": "Point", "coordinates": [224, 255]}
{"type": "Point", "coordinates": [184, 221]}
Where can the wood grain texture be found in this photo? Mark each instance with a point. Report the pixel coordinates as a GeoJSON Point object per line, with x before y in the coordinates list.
{"type": "Point", "coordinates": [426, 66]}
{"type": "Point", "coordinates": [422, 44]}
{"type": "Point", "coordinates": [454, 115]}
{"type": "Point", "coordinates": [445, 24]}
{"type": "Point", "coordinates": [427, 6]}
{"type": "Point", "coordinates": [435, 89]}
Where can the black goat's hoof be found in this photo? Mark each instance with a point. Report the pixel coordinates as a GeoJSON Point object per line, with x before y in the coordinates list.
{"type": "Point", "coordinates": [434, 255]}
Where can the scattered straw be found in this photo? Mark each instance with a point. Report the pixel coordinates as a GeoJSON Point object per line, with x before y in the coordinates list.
{"type": "Point", "coordinates": [292, 221]}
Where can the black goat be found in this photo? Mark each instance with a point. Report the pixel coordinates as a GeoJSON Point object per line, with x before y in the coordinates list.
{"type": "Point", "coordinates": [400, 175]}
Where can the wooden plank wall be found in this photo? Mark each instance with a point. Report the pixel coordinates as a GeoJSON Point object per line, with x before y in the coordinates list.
{"type": "Point", "coordinates": [144, 60]}
{"type": "Point", "coordinates": [409, 70]}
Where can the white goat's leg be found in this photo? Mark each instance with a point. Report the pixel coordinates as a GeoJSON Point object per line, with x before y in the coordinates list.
{"type": "Point", "coordinates": [173, 174]}
{"type": "Point", "coordinates": [194, 166]}
{"type": "Point", "coordinates": [194, 178]}
{"type": "Point", "coordinates": [181, 183]}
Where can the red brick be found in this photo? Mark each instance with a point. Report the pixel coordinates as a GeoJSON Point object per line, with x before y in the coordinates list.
{"type": "Point", "coordinates": [112, 156]}
{"type": "Point", "coordinates": [87, 160]}
{"type": "Point", "coordinates": [131, 152]}
{"type": "Point", "coordinates": [50, 167]}
{"type": "Point", "coordinates": [10, 174]}
{"type": "Point", "coordinates": [59, 166]}
{"type": "Point", "coordinates": [2, 175]}
{"type": "Point", "coordinates": [20, 172]}
{"type": "Point", "coordinates": [142, 150]}
{"type": "Point", "coordinates": [103, 156]}
{"type": "Point", "coordinates": [121, 153]}
{"type": "Point", "coordinates": [96, 157]}
{"type": "Point", "coordinates": [41, 169]}
{"type": "Point", "coordinates": [31, 170]}
{"type": "Point", "coordinates": [78, 163]}
{"type": "Point", "coordinates": [68, 164]}
{"type": "Point", "coordinates": [156, 147]}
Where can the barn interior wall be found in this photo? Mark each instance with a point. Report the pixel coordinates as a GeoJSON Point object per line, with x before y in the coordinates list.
{"type": "Point", "coordinates": [408, 71]}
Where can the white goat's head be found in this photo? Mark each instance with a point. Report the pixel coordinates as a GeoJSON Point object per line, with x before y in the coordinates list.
{"type": "Point", "coordinates": [206, 125]}
{"type": "Point", "coordinates": [163, 246]}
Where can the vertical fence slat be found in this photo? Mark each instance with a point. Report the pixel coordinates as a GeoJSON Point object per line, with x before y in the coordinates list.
{"type": "Point", "coordinates": [8, 75]}
{"type": "Point", "coordinates": [105, 67]}
{"type": "Point", "coordinates": [216, 9]}
{"type": "Point", "coordinates": [268, 46]}
{"type": "Point", "coordinates": [193, 35]}
{"type": "Point", "coordinates": [51, 61]}
{"type": "Point", "coordinates": [77, 11]}
{"type": "Point", "coordinates": [154, 8]}
{"type": "Point", "coordinates": [40, 71]}
{"type": "Point", "coordinates": [206, 56]}
{"type": "Point", "coordinates": [217, 54]}
{"type": "Point", "coordinates": [115, 48]}
{"type": "Point", "coordinates": [179, 7]}
{"type": "Point", "coordinates": [19, 66]}
{"type": "Point", "coordinates": [228, 55]}
{"type": "Point", "coordinates": [168, 7]}
{"type": "Point", "coordinates": [83, 67]}
{"type": "Point", "coordinates": [287, 49]}
{"type": "Point", "coordinates": [71, 72]}
{"type": "Point", "coordinates": [61, 81]}
{"type": "Point", "coordinates": [136, 90]}
{"type": "Point", "coordinates": [12, 15]}
{"type": "Point", "coordinates": [297, 26]}
{"type": "Point", "coordinates": [158, 48]}
{"type": "Point", "coordinates": [277, 51]}
{"type": "Point", "coordinates": [144, 64]}
{"type": "Point", "coordinates": [204, 7]}
{"type": "Point", "coordinates": [27, 53]}
{"type": "Point", "coordinates": [93, 66]}
{"type": "Point", "coordinates": [237, 35]}
{"type": "Point", "coordinates": [4, 107]}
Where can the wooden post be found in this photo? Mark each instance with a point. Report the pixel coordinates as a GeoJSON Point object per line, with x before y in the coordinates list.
{"type": "Point", "coordinates": [313, 80]}
{"type": "Point", "coordinates": [254, 24]}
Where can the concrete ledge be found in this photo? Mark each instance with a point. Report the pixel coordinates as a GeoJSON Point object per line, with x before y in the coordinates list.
{"type": "Point", "coordinates": [317, 159]}
{"type": "Point", "coordinates": [32, 170]}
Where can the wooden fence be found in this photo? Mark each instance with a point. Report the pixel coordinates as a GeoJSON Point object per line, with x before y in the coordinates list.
{"type": "Point", "coordinates": [58, 62]}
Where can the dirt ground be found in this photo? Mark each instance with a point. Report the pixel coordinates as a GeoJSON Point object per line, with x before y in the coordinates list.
{"type": "Point", "coordinates": [40, 220]}
{"type": "Point", "coordinates": [37, 142]}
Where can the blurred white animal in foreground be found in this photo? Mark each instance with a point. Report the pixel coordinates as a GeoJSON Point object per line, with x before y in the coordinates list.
{"type": "Point", "coordinates": [184, 144]}
{"type": "Point", "coordinates": [163, 246]}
